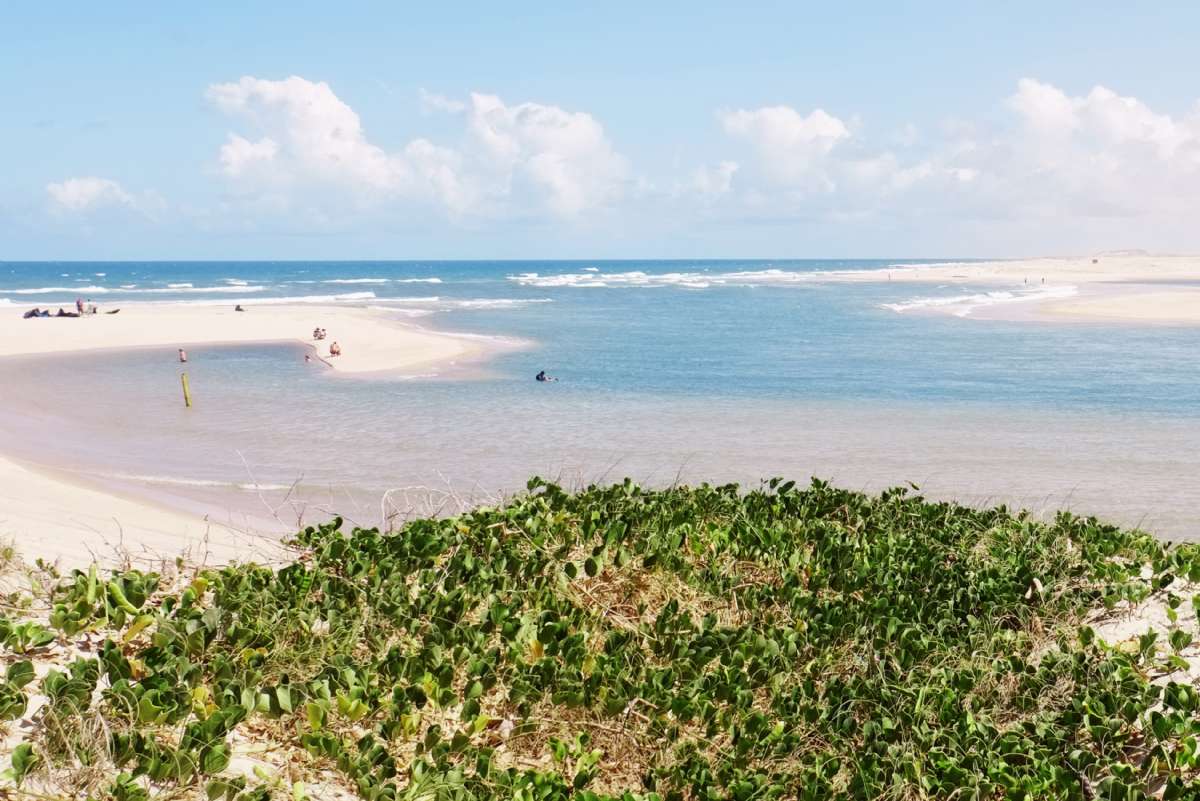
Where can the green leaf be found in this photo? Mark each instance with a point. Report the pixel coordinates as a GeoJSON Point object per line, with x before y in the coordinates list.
{"type": "Point", "coordinates": [216, 759]}
{"type": "Point", "coordinates": [24, 762]}
{"type": "Point", "coordinates": [20, 673]}
{"type": "Point", "coordinates": [315, 712]}
{"type": "Point", "coordinates": [283, 696]}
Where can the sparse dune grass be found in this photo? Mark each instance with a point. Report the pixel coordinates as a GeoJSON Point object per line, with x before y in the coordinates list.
{"type": "Point", "coordinates": [687, 643]}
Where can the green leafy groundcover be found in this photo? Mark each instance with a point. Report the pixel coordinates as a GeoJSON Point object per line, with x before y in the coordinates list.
{"type": "Point", "coordinates": [687, 643]}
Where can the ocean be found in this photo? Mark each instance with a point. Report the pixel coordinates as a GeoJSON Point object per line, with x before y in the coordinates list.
{"type": "Point", "coordinates": [668, 371]}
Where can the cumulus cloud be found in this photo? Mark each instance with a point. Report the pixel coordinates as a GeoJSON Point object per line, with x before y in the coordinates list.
{"type": "Point", "coordinates": [239, 154]}
{"type": "Point", "coordinates": [564, 154]}
{"type": "Point", "coordinates": [1100, 155]}
{"type": "Point", "coordinates": [1057, 158]}
{"type": "Point", "coordinates": [319, 133]}
{"type": "Point", "coordinates": [512, 158]}
{"type": "Point", "coordinates": [792, 144]}
{"type": "Point", "coordinates": [90, 192]}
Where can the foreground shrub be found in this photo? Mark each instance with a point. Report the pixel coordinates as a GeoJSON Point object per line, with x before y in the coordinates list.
{"type": "Point", "coordinates": [688, 643]}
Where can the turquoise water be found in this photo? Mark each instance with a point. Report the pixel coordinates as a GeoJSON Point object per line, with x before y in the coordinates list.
{"type": "Point", "coordinates": [759, 329]}
{"type": "Point", "coordinates": [718, 370]}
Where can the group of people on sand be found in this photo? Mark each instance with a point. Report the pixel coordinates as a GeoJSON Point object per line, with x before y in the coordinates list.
{"type": "Point", "coordinates": [80, 311]}
{"type": "Point", "coordinates": [334, 348]}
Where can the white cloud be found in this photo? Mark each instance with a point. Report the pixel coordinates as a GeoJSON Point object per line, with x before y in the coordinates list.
{"type": "Point", "coordinates": [83, 194]}
{"type": "Point", "coordinates": [319, 134]}
{"type": "Point", "coordinates": [565, 154]}
{"type": "Point", "coordinates": [1094, 155]}
{"type": "Point", "coordinates": [513, 159]}
{"type": "Point", "coordinates": [240, 154]}
{"type": "Point", "coordinates": [1058, 159]}
{"type": "Point", "coordinates": [1103, 115]}
{"type": "Point", "coordinates": [792, 146]}
{"type": "Point", "coordinates": [431, 102]}
{"type": "Point", "coordinates": [713, 182]}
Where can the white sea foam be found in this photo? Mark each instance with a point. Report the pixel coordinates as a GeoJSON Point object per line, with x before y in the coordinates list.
{"type": "Point", "coordinates": [50, 290]}
{"type": "Point", "coordinates": [494, 303]}
{"type": "Point", "coordinates": [186, 289]}
{"type": "Point", "coordinates": [964, 305]}
{"type": "Point", "coordinates": [284, 301]}
{"type": "Point", "coordinates": [450, 304]}
{"type": "Point", "coordinates": [770, 276]}
{"type": "Point", "coordinates": [192, 482]}
{"type": "Point", "coordinates": [434, 280]}
{"type": "Point", "coordinates": [425, 299]}
{"type": "Point", "coordinates": [235, 281]}
{"type": "Point", "coordinates": [404, 312]}
{"type": "Point", "coordinates": [355, 281]}
{"type": "Point", "coordinates": [170, 289]}
{"type": "Point", "coordinates": [688, 280]}
{"type": "Point", "coordinates": [921, 265]}
{"type": "Point", "coordinates": [99, 275]}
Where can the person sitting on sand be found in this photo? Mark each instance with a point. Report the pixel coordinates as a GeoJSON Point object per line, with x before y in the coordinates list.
{"type": "Point", "coordinates": [238, 308]}
{"type": "Point", "coordinates": [335, 349]}
{"type": "Point", "coordinates": [316, 333]}
{"type": "Point", "coordinates": [34, 312]}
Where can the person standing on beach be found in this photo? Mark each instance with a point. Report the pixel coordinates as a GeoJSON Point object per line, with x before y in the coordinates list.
{"type": "Point", "coordinates": [79, 305]}
{"type": "Point", "coordinates": [182, 355]}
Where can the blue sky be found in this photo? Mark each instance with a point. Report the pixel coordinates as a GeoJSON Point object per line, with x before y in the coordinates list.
{"type": "Point", "coordinates": [373, 130]}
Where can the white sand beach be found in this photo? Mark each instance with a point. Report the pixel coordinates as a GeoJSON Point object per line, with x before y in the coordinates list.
{"type": "Point", "coordinates": [1134, 304]}
{"type": "Point", "coordinates": [1118, 287]}
{"type": "Point", "coordinates": [369, 341]}
{"type": "Point", "coordinates": [48, 517]}
{"type": "Point", "coordinates": [51, 516]}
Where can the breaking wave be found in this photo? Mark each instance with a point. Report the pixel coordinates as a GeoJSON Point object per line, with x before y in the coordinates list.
{"type": "Point", "coordinates": [963, 305]}
{"type": "Point", "coordinates": [170, 289]}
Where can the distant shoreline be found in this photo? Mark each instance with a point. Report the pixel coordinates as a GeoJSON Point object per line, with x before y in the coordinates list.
{"type": "Point", "coordinates": [1134, 289]}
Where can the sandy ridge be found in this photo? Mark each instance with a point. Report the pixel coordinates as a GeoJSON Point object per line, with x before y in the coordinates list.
{"type": "Point", "coordinates": [370, 341]}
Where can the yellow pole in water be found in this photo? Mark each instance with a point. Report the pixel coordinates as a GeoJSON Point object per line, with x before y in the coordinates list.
{"type": "Point", "coordinates": [187, 393]}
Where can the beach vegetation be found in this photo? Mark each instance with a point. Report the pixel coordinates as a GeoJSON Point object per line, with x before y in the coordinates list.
{"type": "Point", "coordinates": [799, 642]}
